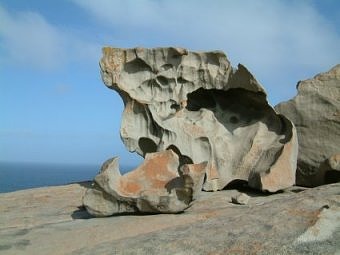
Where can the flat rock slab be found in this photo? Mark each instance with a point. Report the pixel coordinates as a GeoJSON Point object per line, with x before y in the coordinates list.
{"type": "Point", "coordinates": [52, 221]}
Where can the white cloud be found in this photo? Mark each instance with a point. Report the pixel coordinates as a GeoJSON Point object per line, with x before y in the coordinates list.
{"type": "Point", "coordinates": [280, 41]}
{"type": "Point", "coordinates": [28, 40]}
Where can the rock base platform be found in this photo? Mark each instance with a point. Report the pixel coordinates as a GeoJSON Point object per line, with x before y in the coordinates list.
{"type": "Point", "coordinates": [52, 220]}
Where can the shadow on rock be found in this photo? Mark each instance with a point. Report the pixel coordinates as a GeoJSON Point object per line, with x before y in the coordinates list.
{"type": "Point", "coordinates": [81, 213]}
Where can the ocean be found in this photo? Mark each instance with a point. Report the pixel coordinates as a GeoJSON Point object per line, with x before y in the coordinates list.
{"type": "Point", "coordinates": [18, 176]}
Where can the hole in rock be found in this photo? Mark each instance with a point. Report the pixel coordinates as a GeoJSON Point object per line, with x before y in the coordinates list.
{"type": "Point", "coordinates": [237, 184]}
{"type": "Point", "coordinates": [238, 107]}
{"type": "Point", "coordinates": [147, 145]}
{"type": "Point", "coordinates": [201, 98]}
{"type": "Point", "coordinates": [181, 80]}
{"type": "Point", "coordinates": [286, 128]}
{"type": "Point", "coordinates": [174, 184]}
{"type": "Point", "coordinates": [166, 67]}
{"type": "Point", "coordinates": [325, 207]}
{"type": "Point", "coordinates": [213, 58]}
{"type": "Point", "coordinates": [233, 119]}
{"type": "Point", "coordinates": [183, 159]}
{"type": "Point", "coordinates": [137, 65]}
{"type": "Point", "coordinates": [332, 176]}
{"type": "Point", "coordinates": [175, 106]}
{"type": "Point", "coordinates": [162, 80]}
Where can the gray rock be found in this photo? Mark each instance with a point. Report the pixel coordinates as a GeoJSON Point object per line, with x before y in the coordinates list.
{"type": "Point", "coordinates": [100, 204]}
{"type": "Point", "coordinates": [52, 221]}
{"type": "Point", "coordinates": [240, 198]}
{"type": "Point", "coordinates": [331, 168]}
{"type": "Point", "coordinates": [156, 186]}
{"type": "Point", "coordinates": [199, 106]}
{"type": "Point", "coordinates": [315, 111]}
{"type": "Point", "coordinates": [334, 162]}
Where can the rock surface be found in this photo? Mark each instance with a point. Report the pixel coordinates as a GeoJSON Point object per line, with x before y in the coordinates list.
{"type": "Point", "coordinates": [205, 110]}
{"type": "Point", "coordinates": [315, 111]}
{"type": "Point", "coordinates": [52, 221]}
{"type": "Point", "coordinates": [156, 186]}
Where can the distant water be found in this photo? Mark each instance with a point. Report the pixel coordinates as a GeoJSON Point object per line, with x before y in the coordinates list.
{"type": "Point", "coordinates": [18, 176]}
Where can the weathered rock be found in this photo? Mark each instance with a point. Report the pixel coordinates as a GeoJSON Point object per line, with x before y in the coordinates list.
{"type": "Point", "coordinates": [52, 221]}
{"type": "Point", "coordinates": [315, 111]}
{"type": "Point", "coordinates": [156, 186]}
{"type": "Point", "coordinates": [333, 162]}
{"type": "Point", "coordinates": [240, 198]}
{"type": "Point", "coordinates": [198, 105]}
{"type": "Point", "coordinates": [331, 168]}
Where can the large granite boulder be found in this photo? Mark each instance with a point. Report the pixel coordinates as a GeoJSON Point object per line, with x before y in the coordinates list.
{"type": "Point", "coordinates": [203, 109]}
{"type": "Point", "coordinates": [315, 111]}
{"type": "Point", "coordinates": [158, 185]}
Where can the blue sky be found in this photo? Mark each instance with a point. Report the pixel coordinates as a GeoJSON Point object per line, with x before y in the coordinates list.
{"type": "Point", "coordinates": [53, 104]}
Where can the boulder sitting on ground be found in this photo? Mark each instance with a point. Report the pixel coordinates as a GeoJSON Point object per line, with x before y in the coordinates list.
{"type": "Point", "coordinates": [315, 111]}
{"type": "Point", "coordinates": [156, 186]}
{"type": "Point", "coordinates": [202, 108]}
{"type": "Point", "coordinates": [240, 198]}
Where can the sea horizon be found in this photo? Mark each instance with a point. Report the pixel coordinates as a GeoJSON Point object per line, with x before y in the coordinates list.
{"type": "Point", "coordinates": [16, 176]}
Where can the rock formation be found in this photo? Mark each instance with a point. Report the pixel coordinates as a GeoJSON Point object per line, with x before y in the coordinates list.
{"type": "Point", "coordinates": [315, 111]}
{"type": "Point", "coordinates": [156, 186]}
{"type": "Point", "coordinates": [200, 107]}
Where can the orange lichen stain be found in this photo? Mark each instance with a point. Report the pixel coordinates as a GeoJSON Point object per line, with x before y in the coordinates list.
{"type": "Point", "coordinates": [106, 50]}
{"type": "Point", "coordinates": [130, 187]}
{"type": "Point", "coordinates": [198, 168]}
{"type": "Point", "coordinates": [155, 173]}
{"type": "Point", "coordinates": [281, 175]}
{"type": "Point", "coordinates": [113, 60]}
{"type": "Point", "coordinates": [310, 216]}
{"type": "Point", "coordinates": [208, 215]}
{"type": "Point", "coordinates": [158, 184]}
{"type": "Point", "coordinates": [158, 165]}
{"type": "Point", "coordinates": [212, 173]}
{"type": "Point", "coordinates": [183, 103]}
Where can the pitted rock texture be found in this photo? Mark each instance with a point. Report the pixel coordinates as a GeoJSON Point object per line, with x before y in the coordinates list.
{"type": "Point", "coordinates": [159, 185]}
{"type": "Point", "coordinates": [201, 107]}
{"type": "Point", "coordinates": [315, 111]}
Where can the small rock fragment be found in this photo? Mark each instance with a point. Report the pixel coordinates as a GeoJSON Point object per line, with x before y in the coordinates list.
{"type": "Point", "coordinates": [240, 198]}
